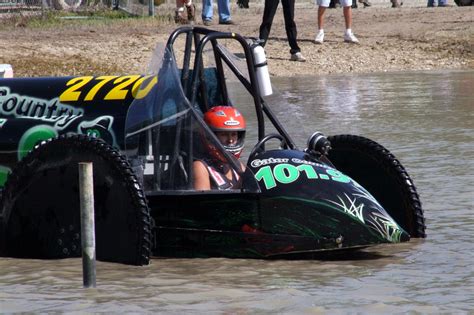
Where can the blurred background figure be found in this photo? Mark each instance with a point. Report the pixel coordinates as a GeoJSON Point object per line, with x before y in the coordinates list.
{"type": "Point", "coordinates": [396, 3]}
{"type": "Point", "coordinates": [243, 4]}
{"type": "Point", "coordinates": [223, 9]}
{"type": "Point", "coordinates": [441, 3]}
{"type": "Point", "coordinates": [185, 12]}
{"type": "Point", "coordinates": [349, 37]}
{"type": "Point", "coordinates": [366, 3]}
{"type": "Point", "coordinates": [269, 11]}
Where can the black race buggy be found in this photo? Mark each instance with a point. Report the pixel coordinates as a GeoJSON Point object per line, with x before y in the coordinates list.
{"type": "Point", "coordinates": [143, 132]}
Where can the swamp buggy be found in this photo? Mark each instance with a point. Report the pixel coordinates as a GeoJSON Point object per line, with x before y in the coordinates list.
{"type": "Point", "coordinates": [143, 132]}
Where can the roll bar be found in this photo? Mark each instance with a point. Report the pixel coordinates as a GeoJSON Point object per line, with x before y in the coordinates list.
{"type": "Point", "coordinates": [191, 85]}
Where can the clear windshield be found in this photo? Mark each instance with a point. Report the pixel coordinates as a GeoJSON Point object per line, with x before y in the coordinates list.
{"type": "Point", "coordinates": [164, 134]}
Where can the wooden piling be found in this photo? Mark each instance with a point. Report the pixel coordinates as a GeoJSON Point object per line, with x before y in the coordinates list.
{"type": "Point", "coordinates": [86, 191]}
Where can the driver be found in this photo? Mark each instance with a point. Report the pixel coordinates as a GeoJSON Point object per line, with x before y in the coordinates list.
{"type": "Point", "coordinates": [214, 172]}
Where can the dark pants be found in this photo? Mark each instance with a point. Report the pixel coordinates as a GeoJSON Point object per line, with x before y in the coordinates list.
{"type": "Point", "coordinates": [290, 26]}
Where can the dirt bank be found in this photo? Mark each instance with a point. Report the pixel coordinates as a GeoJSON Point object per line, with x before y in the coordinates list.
{"type": "Point", "coordinates": [409, 38]}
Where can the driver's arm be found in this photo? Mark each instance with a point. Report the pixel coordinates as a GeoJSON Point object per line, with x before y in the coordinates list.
{"type": "Point", "coordinates": [201, 176]}
{"type": "Point", "coordinates": [242, 166]}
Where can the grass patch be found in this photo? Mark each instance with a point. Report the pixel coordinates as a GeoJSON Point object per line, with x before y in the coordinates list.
{"type": "Point", "coordinates": [84, 18]}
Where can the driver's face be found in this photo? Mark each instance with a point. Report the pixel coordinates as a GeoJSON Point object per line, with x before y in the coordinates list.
{"type": "Point", "coordinates": [227, 138]}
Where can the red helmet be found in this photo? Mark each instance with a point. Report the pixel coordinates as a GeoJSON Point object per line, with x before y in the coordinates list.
{"type": "Point", "coordinates": [227, 118]}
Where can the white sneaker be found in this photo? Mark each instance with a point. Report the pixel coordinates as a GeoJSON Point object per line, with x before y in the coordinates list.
{"type": "Point", "coordinates": [297, 57]}
{"type": "Point", "coordinates": [319, 38]}
{"type": "Point", "coordinates": [349, 37]}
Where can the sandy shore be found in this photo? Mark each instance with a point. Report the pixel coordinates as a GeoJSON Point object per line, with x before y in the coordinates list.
{"type": "Point", "coordinates": [408, 38]}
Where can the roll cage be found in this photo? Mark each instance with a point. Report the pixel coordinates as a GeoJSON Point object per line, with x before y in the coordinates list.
{"type": "Point", "coordinates": [194, 83]}
{"type": "Point", "coordinates": [165, 132]}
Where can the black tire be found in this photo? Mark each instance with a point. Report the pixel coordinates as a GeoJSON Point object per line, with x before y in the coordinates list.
{"type": "Point", "coordinates": [378, 171]}
{"type": "Point", "coordinates": [464, 3]}
{"type": "Point", "coordinates": [41, 209]}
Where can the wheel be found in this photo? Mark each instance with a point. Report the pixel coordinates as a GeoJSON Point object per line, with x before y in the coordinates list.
{"type": "Point", "coordinates": [378, 171]}
{"type": "Point", "coordinates": [258, 148]}
{"type": "Point", "coordinates": [41, 209]}
{"type": "Point", "coordinates": [463, 3]}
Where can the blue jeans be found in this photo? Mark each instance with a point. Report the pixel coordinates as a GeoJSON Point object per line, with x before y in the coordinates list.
{"type": "Point", "coordinates": [223, 7]}
{"type": "Point", "coordinates": [440, 3]}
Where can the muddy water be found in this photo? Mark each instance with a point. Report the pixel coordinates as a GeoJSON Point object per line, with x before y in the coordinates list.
{"type": "Point", "coordinates": [425, 119]}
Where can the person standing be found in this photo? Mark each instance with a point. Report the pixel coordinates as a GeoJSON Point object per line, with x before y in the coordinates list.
{"type": "Point", "coordinates": [349, 37]}
{"type": "Point", "coordinates": [185, 12]}
{"type": "Point", "coordinates": [223, 8]}
{"type": "Point", "coordinates": [441, 3]}
{"type": "Point", "coordinates": [243, 4]}
{"type": "Point", "coordinates": [366, 3]}
{"type": "Point", "coordinates": [290, 25]}
{"type": "Point", "coordinates": [397, 4]}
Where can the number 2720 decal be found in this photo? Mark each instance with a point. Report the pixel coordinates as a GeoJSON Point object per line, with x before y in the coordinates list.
{"type": "Point", "coordinates": [80, 89]}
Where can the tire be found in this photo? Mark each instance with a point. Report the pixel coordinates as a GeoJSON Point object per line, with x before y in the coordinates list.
{"type": "Point", "coordinates": [463, 3]}
{"type": "Point", "coordinates": [41, 209]}
{"type": "Point", "coordinates": [378, 171]}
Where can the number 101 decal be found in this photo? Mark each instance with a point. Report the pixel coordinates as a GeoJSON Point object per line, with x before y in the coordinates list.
{"type": "Point", "coordinates": [287, 174]}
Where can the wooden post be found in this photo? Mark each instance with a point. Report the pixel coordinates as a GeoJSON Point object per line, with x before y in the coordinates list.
{"type": "Point", "coordinates": [86, 191]}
